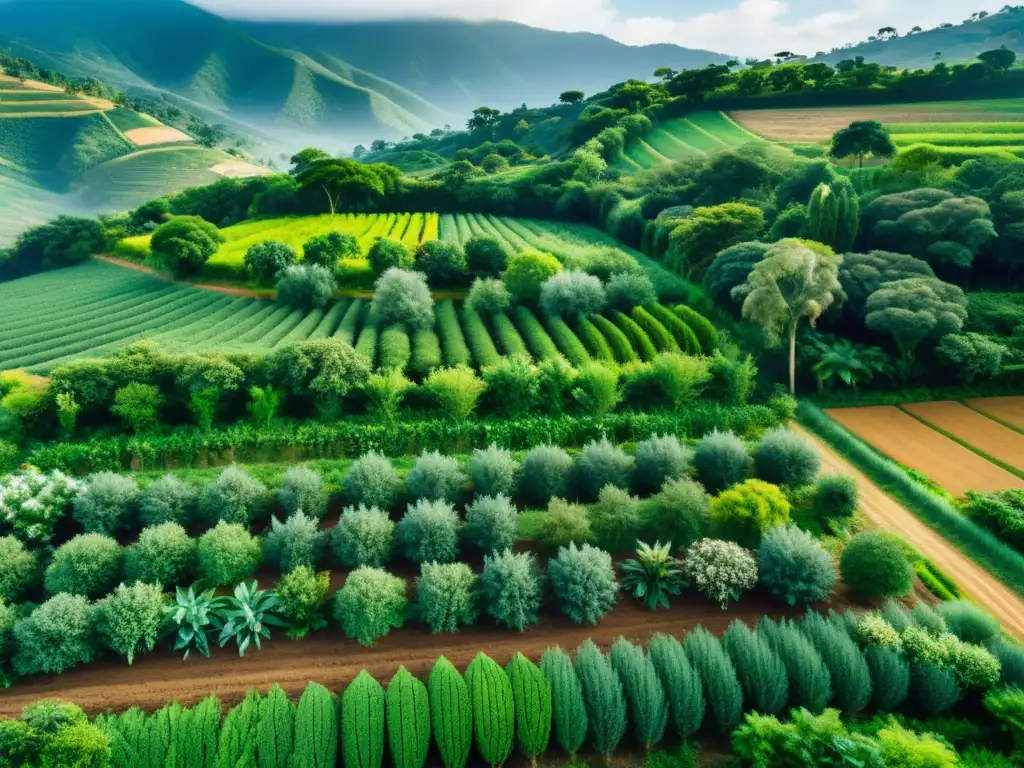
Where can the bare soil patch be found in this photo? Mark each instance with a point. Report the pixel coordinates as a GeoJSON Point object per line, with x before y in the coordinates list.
{"type": "Point", "coordinates": [979, 432]}
{"type": "Point", "coordinates": [239, 169]}
{"type": "Point", "coordinates": [1009, 410]}
{"type": "Point", "coordinates": [144, 137]}
{"type": "Point", "coordinates": [331, 659]}
{"type": "Point", "coordinates": [818, 124]}
{"type": "Point", "coordinates": [884, 512]}
{"type": "Point", "coordinates": [906, 440]}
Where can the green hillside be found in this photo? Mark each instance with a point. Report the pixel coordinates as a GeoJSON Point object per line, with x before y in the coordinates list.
{"type": "Point", "coordinates": [698, 134]}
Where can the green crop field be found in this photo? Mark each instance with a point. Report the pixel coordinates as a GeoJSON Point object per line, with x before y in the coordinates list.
{"type": "Point", "coordinates": [20, 96]}
{"type": "Point", "coordinates": [684, 138]}
{"type": "Point", "coordinates": [126, 120]}
{"type": "Point", "coordinates": [58, 148]}
{"type": "Point", "coordinates": [24, 204]}
{"type": "Point", "coordinates": [23, 109]}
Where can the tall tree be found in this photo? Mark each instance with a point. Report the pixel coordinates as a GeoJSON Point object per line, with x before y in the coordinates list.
{"type": "Point", "coordinates": [834, 215]}
{"type": "Point", "coordinates": [794, 281]}
{"type": "Point", "coordinates": [572, 97]}
{"type": "Point", "coordinates": [862, 138]}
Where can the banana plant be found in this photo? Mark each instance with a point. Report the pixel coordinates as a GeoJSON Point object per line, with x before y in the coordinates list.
{"type": "Point", "coordinates": [248, 615]}
{"type": "Point", "coordinates": [653, 574]}
{"type": "Point", "coordinates": [191, 618]}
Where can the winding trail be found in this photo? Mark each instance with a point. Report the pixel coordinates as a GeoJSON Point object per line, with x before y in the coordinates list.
{"type": "Point", "coordinates": [884, 512]}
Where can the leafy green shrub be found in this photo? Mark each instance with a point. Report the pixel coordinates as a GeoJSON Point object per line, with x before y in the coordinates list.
{"type": "Point", "coordinates": [329, 248]}
{"type": "Point", "coordinates": [453, 343]}
{"type": "Point", "coordinates": [167, 500]}
{"type": "Point", "coordinates": [875, 565]}
{"type": "Point", "coordinates": [408, 719]}
{"type": "Point", "coordinates": [266, 259]}
{"type": "Point", "coordinates": [721, 460]}
{"type": "Point", "coordinates": [604, 697]}
{"type": "Point", "coordinates": [679, 513]}
{"type": "Point", "coordinates": [758, 668]}
{"type": "Point", "coordinates": [571, 293]}
{"type": "Point", "coordinates": [429, 532]}
{"type": "Point", "coordinates": [934, 689]}
{"type": "Point", "coordinates": [874, 630]}
{"type": "Point", "coordinates": [568, 708]}
{"type": "Point", "coordinates": [492, 523]}
{"type": "Point", "coordinates": [369, 604]}
{"type": "Point", "coordinates": [513, 386]}
{"type": "Point", "coordinates": [794, 566]}
{"type": "Point", "coordinates": [834, 498]}
{"type": "Point", "coordinates": [138, 406]}
{"type": "Point", "coordinates": [492, 701]}
{"type": "Point", "coordinates": [625, 291]}
{"type": "Point", "coordinates": [540, 344]}
{"type": "Point", "coordinates": [403, 298]}
{"type": "Point", "coordinates": [228, 554]}
{"type": "Point", "coordinates": [297, 541]}
{"type": "Point", "coordinates": [19, 569]}
{"type": "Point", "coordinates": [526, 272]}
{"type": "Point", "coordinates": [493, 471]}
{"type": "Point", "coordinates": [164, 554]}
{"type": "Point", "coordinates": [305, 286]}
{"type": "Point", "coordinates": [362, 722]}
{"type": "Point", "coordinates": [426, 352]}
{"type": "Point", "coordinates": [851, 678]}
{"type": "Point", "coordinates": [445, 596]}
{"type": "Point", "coordinates": [77, 745]}
{"type": "Point", "coordinates": [387, 254]}
{"type": "Point", "coordinates": [682, 684]}
{"type": "Point", "coordinates": [969, 622]}
{"type": "Point", "coordinates": [619, 342]}
{"type": "Point", "coordinates": [235, 497]}
{"type": "Point", "coordinates": [931, 620]}
{"type": "Point", "coordinates": [107, 503]}
{"type": "Point", "coordinates": [890, 677]}
{"type": "Point", "coordinates": [721, 570]}
{"type": "Point", "coordinates": [129, 618]}
{"type": "Point", "coordinates": [615, 519]}
{"type": "Point", "coordinates": [302, 490]}
{"type": "Point", "coordinates": [451, 714]}
{"type": "Point", "coordinates": [456, 391]}
{"type": "Point", "coordinates": [55, 637]}
{"type": "Point", "coordinates": [706, 333]}
{"type": "Point", "coordinates": [564, 523]}
{"type": "Point", "coordinates": [371, 480]}
{"type": "Point", "coordinates": [511, 588]}
{"type": "Point", "coordinates": [478, 338]}
{"type": "Point", "coordinates": [316, 729]}
{"type": "Point", "coordinates": [302, 594]}
{"type": "Point", "coordinates": [596, 389]}
{"type": "Point", "coordinates": [485, 256]}
{"type": "Point", "coordinates": [721, 687]}
{"type": "Point", "coordinates": [747, 510]}
{"type": "Point", "coordinates": [594, 342]}
{"type": "Point", "coordinates": [185, 244]}
{"type": "Point", "coordinates": [90, 564]}
{"type": "Point", "coordinates": [1011, 661]}
{"type": "Point", "coordinates": [363, 536]}
{"type": "Point", "coordinates": [644, 692]}
{"type": "Point", "coordinates": [544, 474]}
{"type": "Point", "coordinates": [583, 581]}
{"type": "Point", "coordinates": [601, 463]}
{"type": "Point", "coordinates": [443, 263]}
{"type": "Point", "coordinates": [784, 458]}
{"type": "Point", "coordinates": [681, 333]}
{"type": "Point", "coordinates": [657, 460]}
{"type": "Point", "coordinates": [810, 682]}
{"type": "Point", "coordinates": [531, 697]}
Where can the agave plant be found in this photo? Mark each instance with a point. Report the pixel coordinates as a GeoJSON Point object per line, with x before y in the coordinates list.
{"type": "Point", "coordinates": [191, 618]}
{"type": "Point", "coordinates": [653, 574]}
{"type": "Point", "coordinates": [248, 615]}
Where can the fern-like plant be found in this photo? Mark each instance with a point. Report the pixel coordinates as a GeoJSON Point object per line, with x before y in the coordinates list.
{"type": "Point", "coordinates": [653, 574]}
{"type": "Point", "coordinates": [248, 615]}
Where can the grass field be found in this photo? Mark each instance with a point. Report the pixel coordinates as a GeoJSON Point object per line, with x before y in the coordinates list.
{"type": "Point", "coordinates": [684, 138]}
{"type": "Point", "coordinates": [126, 120]}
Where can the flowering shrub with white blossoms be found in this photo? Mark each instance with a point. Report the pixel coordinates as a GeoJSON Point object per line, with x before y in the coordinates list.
{"type": "Point", "coordinates": [721, 570]}
{"type": "Point", "coordinates": [31, 503]}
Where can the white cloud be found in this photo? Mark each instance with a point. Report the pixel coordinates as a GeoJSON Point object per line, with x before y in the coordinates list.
{"type": "Point", "coordinates": [746, 27]}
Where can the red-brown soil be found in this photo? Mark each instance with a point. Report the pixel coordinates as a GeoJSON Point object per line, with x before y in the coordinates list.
{"type": "Point", "coordinates": [1009, 410]}
{"type": "Point", "coordinates": [979, 432]}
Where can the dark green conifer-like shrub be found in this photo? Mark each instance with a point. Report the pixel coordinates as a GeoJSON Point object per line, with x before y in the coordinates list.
{"type": "Point", "coordinates": [569, 710]}
{"type": "Point", "coordinates": [648, 713]}
{"type": "Point", "coordinates": [683, 687]}
{"type": "Point", "coordinates": [721, 687]}
{"type": "Point", "coordinates": [604, 697]}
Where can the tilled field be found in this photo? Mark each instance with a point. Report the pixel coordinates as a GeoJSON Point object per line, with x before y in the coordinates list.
{"type": "Point", "coordinates": [1009, 410]}
{"type": "Point", "coordinates": [913, 444]}
{"type": "Point", "coordinates": [969, 426]}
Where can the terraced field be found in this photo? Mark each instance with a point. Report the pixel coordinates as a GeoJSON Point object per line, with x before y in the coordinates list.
{"type": "Point", "coordinates": [684, 138]}
{"type": "Point", "coordinates": [954, 445]}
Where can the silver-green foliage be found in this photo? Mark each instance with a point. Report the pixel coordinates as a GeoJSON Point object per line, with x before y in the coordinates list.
{"type": "Point", "coordinates": [682, 684]}
{"type": "Point", "coordinates": [545, 474]}
{"type": "Point", "coordinates": [107, 502]}
{"type": "Point", "coordinates": [450, 713]}
{"type": "Point", "coordinates": [584, 584]}
{"type": "Point", "coordinates": [511, 588]}
{"type": "Point", "coordinates": [371, 480]}
{"type": "Point", "coordinates": [851, 678]}
{"type": "Point", "coordinates": [302, 490]}
{"type": "Point", "coordinates": [297, 541]}
{"type": "Point", "coordinates": [435, 478]}
{"type": "Point", "coordinates": [247, 615]}
{"type": "Point", "coordinates": [601, 463]}
{"type": "Point", "coordinates": [363, 537]}
{"type": "Point", "coordinates": [234, 497]}
{"type": "Point", "coordinates": [645, 693]}
{"type": "Point", "coordinates": [810, 682]}
{"type": "Point", "coordinates": [658, 459]}
{"type": "Point", "coordinates": [445, 593]}
{"type": "Point", "coordinates": [492, 523]}
{"type": "Point", "coordinates": [604, 697]}
{"type": "Point", "coordinates": [129, 618]}
{"type": "Point", "coordinates": [795, 567]}
{"type": "Point", "coordinates": [569, 710]}
{"type": "Point", "coordinates": [429, 532]}
{"type": "Point", "coordinates": [721, 460]}
{"type": "Point", "coordinates": [759, 669]}
{"type": "Point", "coordinates": [167, 500]}
{"type": "Point", "coordinates": [493, 471]}
{"type": "Point", "coordinates": [721, 687]}
{"type": "Point", "coordinates": [164, 554]}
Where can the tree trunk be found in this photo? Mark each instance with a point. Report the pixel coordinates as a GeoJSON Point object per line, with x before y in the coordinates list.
{"type": "Point", "coordinates": [330, 200]}
{"type": "Point", "coordinates": [861, 161]}
{"type": "Point", "coordinates": [792, 358]}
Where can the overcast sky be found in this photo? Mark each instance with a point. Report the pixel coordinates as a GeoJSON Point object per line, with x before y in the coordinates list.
{"type": "Point", "coordinates": [745, 27]}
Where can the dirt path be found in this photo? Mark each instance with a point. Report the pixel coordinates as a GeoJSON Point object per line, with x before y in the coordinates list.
{"type": "Point", "coordinates": [1009, 410]}
{"type": "Point", "coordinates": [980, 432]}
{"type": "Point", "coordinates": [906, 440]}
{"type": "Point", "coordinates": [329, 658]}
{"type": "Point", "coordinates": [986, 590]}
